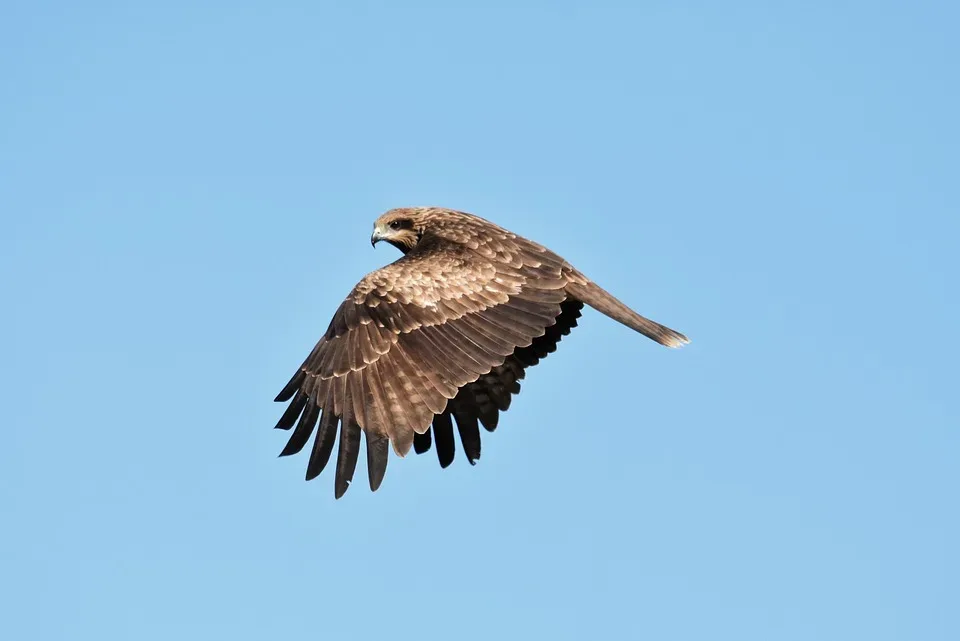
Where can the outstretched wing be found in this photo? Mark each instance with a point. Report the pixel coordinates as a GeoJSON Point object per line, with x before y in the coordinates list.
{"type": "Point", "coordinates": [409, 337]}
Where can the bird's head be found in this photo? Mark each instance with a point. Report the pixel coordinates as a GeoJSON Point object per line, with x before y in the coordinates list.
{"type": "Point", "coordinates": [403, 227]}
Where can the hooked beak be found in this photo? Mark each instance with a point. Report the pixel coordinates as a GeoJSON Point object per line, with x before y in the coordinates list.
{"type": "Point", "coordinates": [376, 237]}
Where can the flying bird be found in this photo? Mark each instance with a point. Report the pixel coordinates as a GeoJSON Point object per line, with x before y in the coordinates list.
{"type": "Point", "coordinates": [442, 335]}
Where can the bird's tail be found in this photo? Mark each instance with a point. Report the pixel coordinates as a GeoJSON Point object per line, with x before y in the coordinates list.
{"type": "Point", "coordinates": [586, 291]}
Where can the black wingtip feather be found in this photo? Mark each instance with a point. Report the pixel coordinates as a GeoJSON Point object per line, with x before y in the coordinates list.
{"type": "Point", "coordinates": [291, 387]}
{"type": "Point", "coordinates": [490, 418]}
{"type": "Point", "coordinates": [347, 456]}
{"type": "Point", "coordinates": [378, 452]}
{"type": "Point", "coordinates": [289, 417]}
{"type": "Point", "coordinates": [322, 445]}
{"type": "Point", "coordinates": [422, 442]}
{"type": "Point", "coordinates": [469, 435]}
{"type": "Point", "coordinates": [443, 435]}
{"type": "Point", "coordinates": [301, 434]}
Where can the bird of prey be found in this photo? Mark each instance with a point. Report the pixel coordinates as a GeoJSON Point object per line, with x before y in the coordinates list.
{"type": "Point", "coordinates": [442, 335]}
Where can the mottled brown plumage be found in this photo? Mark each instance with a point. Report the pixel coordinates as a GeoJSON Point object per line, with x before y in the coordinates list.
{"type": "Point", "coordinates": [441, 337]}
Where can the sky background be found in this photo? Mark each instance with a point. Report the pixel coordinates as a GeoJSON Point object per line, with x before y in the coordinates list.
{"type": "Point", "coordinates": [187, 192]}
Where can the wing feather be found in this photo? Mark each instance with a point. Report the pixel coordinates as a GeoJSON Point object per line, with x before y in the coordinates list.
{"type": "Point", "coordinates": [377, 407]}
{"type": "Point", "coordinates": [323, 443]}
{"type": "Point", "coordinates": [419, 386]}
{"type": "Point", "coordinates": [462, 344]}
{"type": "Point", "coordinates": [303, 430]}
{"type": "Point", "coordinates": [359, 396]}
{"type": "Point", "coordinates": [292, 387]}
{"type": "Point", "coordinates": [402, 412]}
{"type": "Point", "coordinates": [470, 329]}
{"type": "Point", "coordinates": [371, 343]}
{"type": "Point", "coordinates": [443, 435]}
{"type": "Point", "coordinates": [492, 325]}
{"type": "Point", "coordinates": [289, 416]}
{"type": "Point", "coordinates": [422, 442]}
{"type": "Point", "coordinates": [378, 453]}
{"type": "Point", "coordinates": [458, 355]}
{"type": "Point", "coordinates": [507, 318]}
{"type": "Point", "coordinates": [436, 381]}
{"type": "Point", "coordinates": [426, 349]}
{"type": "Point", "coordinates": [469, 431]}
{"type": "Point", "coordinates": [347, 456]}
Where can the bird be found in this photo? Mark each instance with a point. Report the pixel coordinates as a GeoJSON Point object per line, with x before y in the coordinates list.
{"type": "Point", "coordinates": [441, 336]}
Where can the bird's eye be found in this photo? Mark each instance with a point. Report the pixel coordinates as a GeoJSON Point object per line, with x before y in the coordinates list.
{"type": "Point", "coordinates": [397, 224]}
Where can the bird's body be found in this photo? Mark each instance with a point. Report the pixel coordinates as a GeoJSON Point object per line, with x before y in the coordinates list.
{"type": "Point", "coordinates": [442, 335]}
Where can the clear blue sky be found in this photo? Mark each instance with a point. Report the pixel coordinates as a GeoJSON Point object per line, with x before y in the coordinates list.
{"type": "Point", "coordinates": [187, 193]}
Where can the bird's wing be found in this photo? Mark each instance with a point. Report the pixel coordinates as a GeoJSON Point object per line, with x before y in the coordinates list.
{"type": "Point", "coordinates": [408, 338]}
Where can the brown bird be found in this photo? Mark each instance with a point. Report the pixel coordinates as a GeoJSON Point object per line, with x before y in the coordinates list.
{"type": "Point", "coordinates": [443, 334]}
